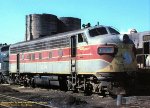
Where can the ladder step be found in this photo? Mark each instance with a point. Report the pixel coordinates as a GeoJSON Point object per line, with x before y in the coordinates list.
{"type": "Point", "coordinates": [73, 65]}
{"type": "Point", "coordinates": [79, 87]}
{"type": "Point", "coordinates": [73, 76]}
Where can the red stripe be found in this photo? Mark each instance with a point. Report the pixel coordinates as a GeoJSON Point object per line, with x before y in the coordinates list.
{"type": "Point", "coordinates": [83, 53]}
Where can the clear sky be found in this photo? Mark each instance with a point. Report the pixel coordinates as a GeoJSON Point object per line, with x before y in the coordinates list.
{"type": "Point", "coordinates": [122, 14]}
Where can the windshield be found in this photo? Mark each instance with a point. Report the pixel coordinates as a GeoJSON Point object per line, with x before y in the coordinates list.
{"type": "Point", "coordinates": [97, 31]}
{"type": "Point", "coordinates": [113, 31]}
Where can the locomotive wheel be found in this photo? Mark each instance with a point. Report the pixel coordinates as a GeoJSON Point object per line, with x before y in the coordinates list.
{"type": "Point", "coordinates": [76, 90]}
{"type": "Point", "coordinates": [114, 90]}
{"type": "Point", "coordinates": [32, 83]}
{"type": "Point", "coordinates": [1, 79]}
{"type": "Point", "coordinates": [103, 93]}
{"type": "Point", "coordinates": [25, 84]}
{"type": "Point", "coordinates": [63, 84]}
{"type": "Point", "coordinates": [88, 89]}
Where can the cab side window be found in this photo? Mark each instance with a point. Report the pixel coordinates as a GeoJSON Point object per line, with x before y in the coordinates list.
{"type": "Point", "coordinates": [40, 56]}
{"type": "Point", "coordinates": [80, 38]}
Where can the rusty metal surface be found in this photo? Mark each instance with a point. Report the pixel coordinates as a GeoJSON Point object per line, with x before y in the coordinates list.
{"type": "Point", "coordinates": [40, 25]}
{"type": "Point", "coordinates": [69, 24]}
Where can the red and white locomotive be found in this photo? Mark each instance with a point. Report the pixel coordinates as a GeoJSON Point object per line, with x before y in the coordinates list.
{"type": "Point", "coordinates": [93, 59]}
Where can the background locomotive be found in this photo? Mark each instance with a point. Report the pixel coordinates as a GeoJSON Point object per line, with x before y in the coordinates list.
{"type": "Point", "coordinates": [142, 44]}
{"type": "Point", "coordinates": [4, 62]}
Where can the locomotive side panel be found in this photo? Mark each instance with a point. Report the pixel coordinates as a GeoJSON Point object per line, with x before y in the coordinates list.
{"type": "Point", "coordinates": [12, 64]}
{"type": "Point", "coordinates": [55, 65]}
{"type": "Point", "coordinates": [89, 61]}
{"type": "Point", "coordinates": [42, 61]}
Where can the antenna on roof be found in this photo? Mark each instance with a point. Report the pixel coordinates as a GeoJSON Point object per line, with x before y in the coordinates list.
{"type": "Point", "coordinates": [86, 25]}
{"type": "Point", "coordinates": [97, 24]}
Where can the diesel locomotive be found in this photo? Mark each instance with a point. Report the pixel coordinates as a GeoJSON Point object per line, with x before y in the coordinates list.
{"type": "Point", "coordinates": [95, 60]}
{"type": "Point", "coordinates": [142, 44]}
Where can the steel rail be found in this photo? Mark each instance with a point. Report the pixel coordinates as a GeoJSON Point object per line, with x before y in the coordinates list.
{"type": "Point", "coordinates": [19, 99]}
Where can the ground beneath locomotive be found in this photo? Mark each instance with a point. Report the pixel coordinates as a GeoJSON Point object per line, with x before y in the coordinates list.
{"type": "Point", "coordinates": [61, 99]}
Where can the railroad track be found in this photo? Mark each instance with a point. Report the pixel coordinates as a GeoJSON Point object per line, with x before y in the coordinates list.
{"type": "Point", "coordinates": [14, 102]}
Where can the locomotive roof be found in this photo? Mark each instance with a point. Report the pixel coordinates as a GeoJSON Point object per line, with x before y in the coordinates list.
{"type": "Point", "coordinates": [65, 34]}
{"type": "Point", "coordinates": [4, 46]}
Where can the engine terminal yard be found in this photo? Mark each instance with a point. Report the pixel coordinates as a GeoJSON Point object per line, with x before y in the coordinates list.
{"type": "Point", "coordinates": [73, 67]}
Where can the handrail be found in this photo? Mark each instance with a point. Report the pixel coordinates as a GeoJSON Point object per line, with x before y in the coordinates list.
{"type": "Point", "coordinates": [143, 61]}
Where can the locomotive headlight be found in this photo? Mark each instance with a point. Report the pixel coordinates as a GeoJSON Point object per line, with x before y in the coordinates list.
{"type": "Point", "coordinates": [106, 50]}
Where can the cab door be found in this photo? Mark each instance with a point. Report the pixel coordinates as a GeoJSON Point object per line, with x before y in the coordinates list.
{"type": "Point", "coordinates": [73, 41]}
{"type": "Point", "coordinates": [73, 61]}
{"type": "Point", "coordinates": [18, 63]}
{"type": "Point", "coordinates": [82, 52]}
{"type": "Point", "coordinates": [77, 52]}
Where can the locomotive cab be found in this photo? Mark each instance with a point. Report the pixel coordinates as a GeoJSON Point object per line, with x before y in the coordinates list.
{"type": "Point", "coordinates": [113, 48]}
